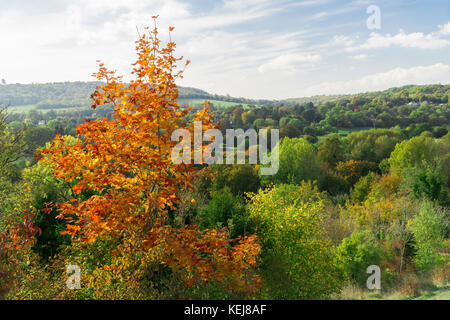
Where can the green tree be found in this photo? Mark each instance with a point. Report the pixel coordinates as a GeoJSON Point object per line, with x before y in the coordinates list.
{"type": "Point", "coordinates": [429, 229]}
{"type": "Point", "coordinates": [297, 124]}
{"type": "Point", "coordinates": [356, 253]}
{"type": "Point", "coordinates": [224, 210]}
{"type": "Point", "coordinates": [429, 182]}
{"type": "Point", "coordinates": [373, 145]}
{"type": "Point", "coordinates": [259, 123]}
{"type": "Point", "coordinates": [37, 137]}
{"type": "Point", "coordinates": [47, 191]}
{"type": "Point", "coordinates": [11, 144]}
{"type": "Point", "coordinates": [284, 121]}
{"type": "Point", "coordinates": [238, 178]}
{"type": "Point", "coordinates": [362, 188]}
{"type": "Point", "coordinates": [297, 161]}
{"type": "Point", "coordinates": [332, 150]}
{"type": "Point", "coordinates": [248, 118]}
{"type": "Point", "coordinates": [353, 170]}
{"type": "Point", "coordinates": [288, 131]}
{"type": "Point", "coordinates": [413, 153]}
{"type": "Point", "coordinates": [297, 257]}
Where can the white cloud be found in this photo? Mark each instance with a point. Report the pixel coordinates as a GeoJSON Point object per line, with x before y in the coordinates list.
{"type": "Point", "coordinates": [290, 62]}
{"type": "Point", "coordinates": [402, 39]}
{"type": "Point", "coordinates": [406, 40]}
{"type": "Point", "coordinates": [84, 31]}
{"type": "Point", "coordinates": [330, 13]}
{"type": "Point", "coordinates": [240, 5]}
{"type": "Point", "coordinates": [436, 73]}
{"type": "Point", "coordinates": [341, 41]}
{"type": "Point", "coordinates": [306, 3]}
{"type": "Point", "coordinates": [445, 29]}
{"type": "Point", "coordinates": [230, 42]}
{"type": "Point", "coordinates": [359, 57]}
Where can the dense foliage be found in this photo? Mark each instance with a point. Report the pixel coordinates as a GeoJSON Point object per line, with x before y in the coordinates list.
{"type": "Point", "coordinates": [363, 180]}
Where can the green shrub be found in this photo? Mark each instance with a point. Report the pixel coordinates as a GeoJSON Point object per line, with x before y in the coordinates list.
{"type": "Point", "coordinates": [361, 189]}
{"type": "Point", "coordinates": [297, 257]}
{"type": "Point", "coordinates": [356, 253]}
{"type": "Point", "coordinates": [297, 161]}
{"type": "Point", "coordinates": [224, 210]}
{"type": "Point", "coordinates": [429, 228]}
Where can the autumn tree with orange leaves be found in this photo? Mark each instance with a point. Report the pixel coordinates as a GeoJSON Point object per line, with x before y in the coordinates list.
{"type": "Point", "coordinates": [125, 183]}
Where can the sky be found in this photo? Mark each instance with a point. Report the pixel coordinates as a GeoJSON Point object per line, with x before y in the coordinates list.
{"type": "Point", "coordinates": [260, 49]}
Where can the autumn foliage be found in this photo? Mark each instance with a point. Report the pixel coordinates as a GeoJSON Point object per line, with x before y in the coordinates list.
{"type": "Point", "coordinates": [124, 183]}
{"type": "Point", "coordinates": [16, 238]}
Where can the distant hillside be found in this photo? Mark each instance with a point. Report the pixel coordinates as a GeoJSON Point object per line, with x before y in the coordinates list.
{"type": "Point", "coordinates": [432, 93]}
{"type": "Point", "coordinates": [63, 95]}
{"type": "Point", "coordinates": [68, 95]}
{"type": "Point", "coordinates": [314, 99]}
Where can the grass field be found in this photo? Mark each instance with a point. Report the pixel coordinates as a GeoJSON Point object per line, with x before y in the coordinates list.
{"type": "Point", "coordinates": [193, 102]}
{"type": "Point", "coordinates": [441, 293]}
{"type": "Point", "coordinates": [21, 109]}
{"type": "Point", "coordinates": [348, 131]}
{"type": "Point", "coordinates": [27, 108]}
{"type": "Point", "coordinates": [217, 103]}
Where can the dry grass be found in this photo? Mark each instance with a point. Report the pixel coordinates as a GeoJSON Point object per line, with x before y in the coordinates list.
{"type": "Point", "coordinates": [410, 286]}
{"type": "Point", "coordinates": [441, 276]}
